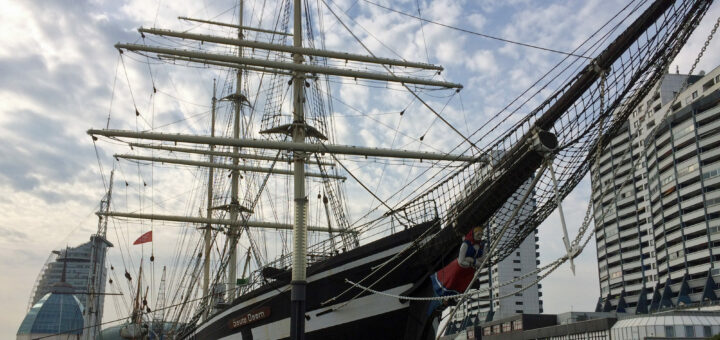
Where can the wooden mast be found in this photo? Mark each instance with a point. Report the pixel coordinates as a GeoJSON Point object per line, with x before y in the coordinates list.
{"type": "Point", "coordinates": [233, 233]}
{"type": "Point", "coordinates": [208, 227]}
{"type": "Point", "coordinates": [299, 279]}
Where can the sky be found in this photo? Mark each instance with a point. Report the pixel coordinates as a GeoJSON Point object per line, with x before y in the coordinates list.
{"type": "Point", "coordinates": [60, 75]}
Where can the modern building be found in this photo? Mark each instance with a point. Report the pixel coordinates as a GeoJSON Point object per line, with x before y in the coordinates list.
{"type": "Point", "coordinates": [74, 264]}
{"type": "Point", "coordinates": [498, 298]}
{"type": "Point", "coordinates": [656, 200]}
{"type": "Point", "coordinates": [670, 325]}
{"type": "Point", "coordinates": [56, 315]}
{"type": "Point", "coordinates": [675, 324]}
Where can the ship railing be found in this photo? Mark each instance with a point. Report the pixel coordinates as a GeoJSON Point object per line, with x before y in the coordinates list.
{"type": "Point", "coordinates": [411, 215]}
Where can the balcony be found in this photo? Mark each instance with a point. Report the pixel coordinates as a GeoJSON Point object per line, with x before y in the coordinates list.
{"type": "Point", "coordinates": [664, 164]}
{"type": "Point", "coordinates": [687, 152]}
{"type": "Point", "coordinates": [615, 247]}
{"type": "Point", "coordinates": [673, 223]}
{"type": "Point", "coordinates": [694, 228]}
{"type": "Point", "coordinates": [712, 181]}
{"type": "Point", "coordinates": [619, 150]}
{"type": "Point", "coordinates": [632, 253]}
{"type": "Point", "coordinates": [633, 287]}
{"type": "Point", "coordinates": [702, 268]}
{"type": "Point", "coordinates": [688, 162]}
{"type": "Point", "coordinates": [695, 187]}
{"type": "Point", "coordinates": [691, 202]}
{"type": "Point", "coordinates": [697, 214]}
{"type": "Point", "coordinates": [707, 127]}
{"type": "Point", "coordinates": [673, 209]}
{"type": "Point", "coordinates": [710, 154]}
{"type": "Point", "coordinates": [629, 197]}
{"type": "Point", "coordinates": [662, 141]}
{"type": "Point", "coordinates": [623, 169]}
{"type": "Point", "coordinates": [699, 255]}
{"type": "Point", "coordinates": [620, 139]}
{"type": "Point", "coordinates": [676, 262]}
{"type": "Point", "coordinates": [708, 114]}
{"type": "Point", "coordinates": [675, 248]}
{"type": "Point", "coordinates": [628, 232]}
{"type": "Point", "coordinates": [605, 168]}
{"type": "Point", "coordinates": [605, 158]}
{"type": "Point", "coordinates": [684, 138]}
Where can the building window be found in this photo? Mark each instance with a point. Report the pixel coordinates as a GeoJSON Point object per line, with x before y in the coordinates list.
{"type": "Point", "coordinates": [516, 269]}
{"type": "Point", "coordinates": [516, 261]}
{"type": "Point", "coordinates": [496, 329]}
{"type": "Point", "coordinates": [518, 286]}
{"type": "Point", "coordinates": [519, 303]}
{"type": "Point", "coordinates": [694, 95]}
{"type": "Point", "coordinates": [487, 331]}
{"type": "Point", "coordinates": [517, 324]}
{"type": "Point", "coordinates": [707, 330]}
{"type": "Point", "coordinates": [506, 327]}
{"type": "Point", "coordinates": [669, 331]}
{"type": "Point", "coordinates": [689, 331]}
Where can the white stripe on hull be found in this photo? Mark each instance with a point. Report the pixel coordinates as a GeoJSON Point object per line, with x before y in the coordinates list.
{"type": "Point", "coordinates": [315, 277]}
{"type": "Point", "coordinates": [358, 309]}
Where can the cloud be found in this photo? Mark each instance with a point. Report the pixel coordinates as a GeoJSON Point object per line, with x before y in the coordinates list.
{"type": "Point", "coordinates": [10, 234]}
{"type": "Point", "coordinates": [61, 75]}
{"type": "Point", "coordinates": [482, 62]}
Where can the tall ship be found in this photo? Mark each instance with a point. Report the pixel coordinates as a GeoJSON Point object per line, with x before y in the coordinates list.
{"type": "Point", "coordinates": [269, 247]}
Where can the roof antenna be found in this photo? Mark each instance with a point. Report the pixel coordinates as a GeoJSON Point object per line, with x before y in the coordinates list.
{"type": "Point", "coordinates": [62, 277]}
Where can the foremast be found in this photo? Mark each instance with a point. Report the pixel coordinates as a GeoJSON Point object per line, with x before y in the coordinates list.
{"type": "Point", "coordinates": [299, 268]}
{"type": "Point", "coordinates": [207, 235]}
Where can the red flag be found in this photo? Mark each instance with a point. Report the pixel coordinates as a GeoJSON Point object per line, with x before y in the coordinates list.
{"type": "Point", "coordinates": [144, 238]}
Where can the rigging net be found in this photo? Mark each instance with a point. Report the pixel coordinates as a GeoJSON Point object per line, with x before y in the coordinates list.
{"type": "Point", "coordinates": [628, 75]}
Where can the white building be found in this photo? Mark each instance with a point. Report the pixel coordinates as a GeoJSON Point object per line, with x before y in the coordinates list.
{"type": "Point", "coordinates": [657, 223]}
{"type": "Point", "coordinates": [497, 299]}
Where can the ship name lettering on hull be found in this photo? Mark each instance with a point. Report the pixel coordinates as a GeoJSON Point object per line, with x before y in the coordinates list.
{"type": "Point", "coordinates": [250, 317]}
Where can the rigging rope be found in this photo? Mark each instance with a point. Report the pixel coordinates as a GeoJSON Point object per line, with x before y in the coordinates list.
{"type": "Point", "coordinates": [571, 54]}
{"type": "Point", "coordinates": [404, 85]}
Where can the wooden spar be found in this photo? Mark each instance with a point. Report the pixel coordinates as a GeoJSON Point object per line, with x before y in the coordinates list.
{"type": "Point", "coordinates": [289, 49]}
{"type": "Point", "coordinates": [225, 166]}
{"type": "Point", "coordinates": [248, 28]}
{"type": "Point", "coordinates": [219, 153]}
{"type": "Point", "coordinates": [288, 146]}
{"type": "Point", "coordinates": [206, 221]}
{"type": "Point", "coordinates": [304, 68]}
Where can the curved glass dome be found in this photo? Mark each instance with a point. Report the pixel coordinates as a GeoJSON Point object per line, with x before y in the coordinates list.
{"type": "Point", "coordinates": [54, 313]}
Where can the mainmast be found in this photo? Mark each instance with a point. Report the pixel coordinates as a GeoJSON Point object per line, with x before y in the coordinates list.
{"type": "Point", "coordinates": [299, 279]}
{"type": "Point", "coordinates": [234, 200]}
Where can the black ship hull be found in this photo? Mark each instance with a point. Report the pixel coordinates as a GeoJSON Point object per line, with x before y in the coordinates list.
{"type": "Point", "coordinates": [354, 314]}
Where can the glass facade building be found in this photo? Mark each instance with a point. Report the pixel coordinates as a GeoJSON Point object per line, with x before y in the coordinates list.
{"type": "Point", "coordinates": [59, 314]}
